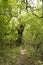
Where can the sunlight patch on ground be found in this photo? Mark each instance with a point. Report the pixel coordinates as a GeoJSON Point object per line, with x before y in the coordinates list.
{"type": "Point", "coordinates": [22, 51]}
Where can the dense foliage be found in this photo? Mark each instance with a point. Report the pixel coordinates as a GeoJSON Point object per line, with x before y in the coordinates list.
{"type": "Point", "coordinates": [21, 29]}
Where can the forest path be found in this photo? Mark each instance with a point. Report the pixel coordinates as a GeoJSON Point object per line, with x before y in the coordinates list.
{"type": "Point", "coordinates": [21, 57]}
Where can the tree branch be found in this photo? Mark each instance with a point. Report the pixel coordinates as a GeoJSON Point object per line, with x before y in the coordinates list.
{"type": "Point", "coordinates": [31, 8]}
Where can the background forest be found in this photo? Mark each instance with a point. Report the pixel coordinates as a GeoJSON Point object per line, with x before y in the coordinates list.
{"type": "Point", "coordinates": [21, 32]}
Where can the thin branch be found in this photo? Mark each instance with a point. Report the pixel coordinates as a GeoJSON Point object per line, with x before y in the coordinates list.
{"type": "Point", "coordinates": [31, 8]}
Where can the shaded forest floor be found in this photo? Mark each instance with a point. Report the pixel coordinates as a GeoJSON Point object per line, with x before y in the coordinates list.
{"type": "Point", "coordinates": [16, 56]}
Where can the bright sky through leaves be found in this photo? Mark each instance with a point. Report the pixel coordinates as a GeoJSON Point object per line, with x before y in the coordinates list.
{"type": "Point", "coordinates": [34, 2]}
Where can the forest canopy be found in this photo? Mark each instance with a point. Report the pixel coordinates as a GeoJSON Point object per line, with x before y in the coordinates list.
{"type": "Point", "coordinates": [21, 30]}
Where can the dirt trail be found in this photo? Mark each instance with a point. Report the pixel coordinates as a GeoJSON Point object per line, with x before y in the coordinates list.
{"type": "Point", "coordinates": [21, 57]}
